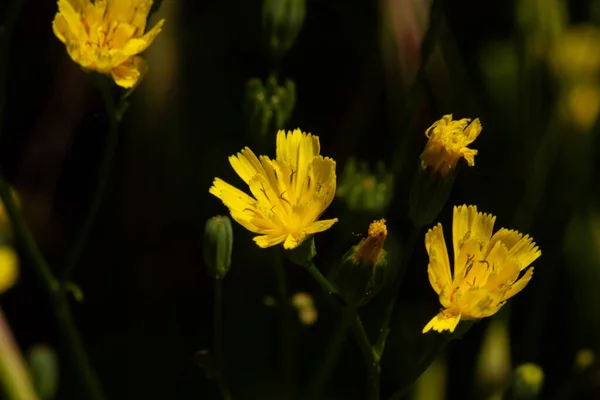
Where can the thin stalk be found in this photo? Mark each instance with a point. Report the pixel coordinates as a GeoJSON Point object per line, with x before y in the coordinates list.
{"type": "Point", "coordinates": [14, 376]}
{"type": "Point", "coordinates": [287, 342]}
{"type": "Point", "coordinates": [58, 297]}
{"type": "Point", "coordinates": [218, 339]}
{"type": "Point", "coordinates": [409, 248]}
{"type": "Point", "coordinates": [366, 348]}
{"type": "Point", "coordinates": [332, 354]}
{"type": "Point", "coordinates": [327, 286]}
{"type": "Point", "coordinates": [115, 113]}
{"type": "Point", "coordinates": [357, 328]}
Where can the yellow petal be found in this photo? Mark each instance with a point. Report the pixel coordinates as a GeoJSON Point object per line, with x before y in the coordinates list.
{"type": "Point", "coordinates": [142, 9]}
{"type": "Point", "coordinates": [519, 284]}
{"type": "Point", "coordinates": [472, 131]}
{"type": "Point", "coordinates": [439, 265]}
{"type": "Point", "coordinates": [246, 165]}
{"type": "Point", "coordinates": [9, 271]}
{"type": "Point", "coordinates": [467, 224]}
{"type": "Point", "coordinates": [70, 10]}
{"type": "Point", "coordinates": [446, 320]}
{"type": "Point", "coordinates": [61, 28]}
{"type": "Point", "coordinates": [137, 45]}
{"type": "Point", "coordinates": [463, 266]}
{"type": "Point", "coordinates": [292, 241]}
{"type": "Point", "coordinates": [320, 226]}
{"type": "Point", "coordinates": [268, 241]}
{"type": "Point", "coordinates": [520, 248]}
{"type": "Point", "coordinates": [129, 73]}
{"type": "Point", "coordinates": [231, 196]}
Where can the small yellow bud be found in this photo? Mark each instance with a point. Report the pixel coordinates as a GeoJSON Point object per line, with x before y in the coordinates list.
{"type": "Point", "coordinates": [361, 274]}
{"type": "Point", "coordinates": [528, 380]}
{"type": "Point", "coordinates": [584, 359]}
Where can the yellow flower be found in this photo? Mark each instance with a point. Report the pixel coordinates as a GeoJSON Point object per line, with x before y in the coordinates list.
{"type": "Point", "coordinates": [8, 268]}
{"type": "Point", "coordinates": [290, 192]}
{"type": "Point", "coordinates": [448, 141]}
{"type": "Point", "coordinates": [370, 250]}
{"type": "Point", "coordinates": [486, 267]}
{"type": "Point", "coordinates": [106, 35]}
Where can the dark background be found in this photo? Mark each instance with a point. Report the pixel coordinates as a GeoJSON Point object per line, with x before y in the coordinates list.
{"type": "Point", "coordinates": [148, 300]}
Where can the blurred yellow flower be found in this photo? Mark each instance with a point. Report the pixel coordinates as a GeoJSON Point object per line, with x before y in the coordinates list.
{"type": "Point", "coordinates": [8, 268]}
{"type": "Point", "coordinates": [290, 192]}
{"type": "Point", "coordinates": [370, 250]}
{"type": "Point", "coordinates": [448, 141]}
{"type": "Point", "coordinates": [307, 313]}
{"type": "Point", "coordinates": [486, 267]}
{"type": "Point", "coordinates": [106, 35]}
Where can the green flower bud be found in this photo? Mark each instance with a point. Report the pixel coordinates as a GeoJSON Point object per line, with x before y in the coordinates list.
{"type": "Point", "coordinates": [218, 245]}
{"type": "Point", "coordinates": [268, 107]}
{"type": "Point", "coordinates": [281, 23]}
{"type": "Point", "coordinates": [362, 272]}
{"type": "Point", "coordinates": [43, 365]}
{"type": "Point", "coordinates": [428, 195]}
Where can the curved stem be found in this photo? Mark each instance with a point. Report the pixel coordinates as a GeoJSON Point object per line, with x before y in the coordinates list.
{"type": "Point", "coordinates": [115, 114]}
{"type": "Point", "coordinates": [58, 297]}
{"type": "Point", "coordinates": [371, 361]}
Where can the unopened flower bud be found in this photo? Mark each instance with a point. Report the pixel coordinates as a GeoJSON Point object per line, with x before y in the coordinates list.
{"type": "Point", "coordinates": [43, 365]}
{"type": "Point", "coordinates": [281, 23]}
{"type": "Point", "coordinates": [584, 359]}
{"type": "Point", "coordinates": [218, 245]}
{"type": "Point", "coordinates": [362, 272]}
{"type": "Point", "coordinates": [268, 107]}
{"type": "Point", "coordinates": [494, 367]}
{"type": "Point", "coordinates": [528, 380]}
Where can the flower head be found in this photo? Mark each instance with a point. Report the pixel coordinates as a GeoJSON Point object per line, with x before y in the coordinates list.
{"type": "Point", "coordinates": [106, 35]}
{"type": "Point", "coordinates": [448, 141]}
{"type": "Point", "coordinates": [290, 192]}
{"type": "Point", "coordinates": [370, 250]}
{"type": "Point", "coordinates": [487, 269]}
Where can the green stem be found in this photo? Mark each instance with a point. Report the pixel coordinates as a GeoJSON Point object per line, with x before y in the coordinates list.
{"type": "Point", "coordinates": [371, 361]}
{"type": "Point", "coordinates": [56, 293]}
{"type": "Point", "coordinates": [332, 354]}
{"type": "Point", "coordinates": [115, 113]}
{"type": "Point", "coordinates": [288, 345]}
{"type": "Point", "coordinates": [327, 286]}
{"type": "Point", "coordinates": [218, 339]}
{"type": "Point", "coordinates": [358, 329]}
{"type": "Point", "coordinates": [14, 376]}
{"type": "Point", "coordinates": [409, 248]}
